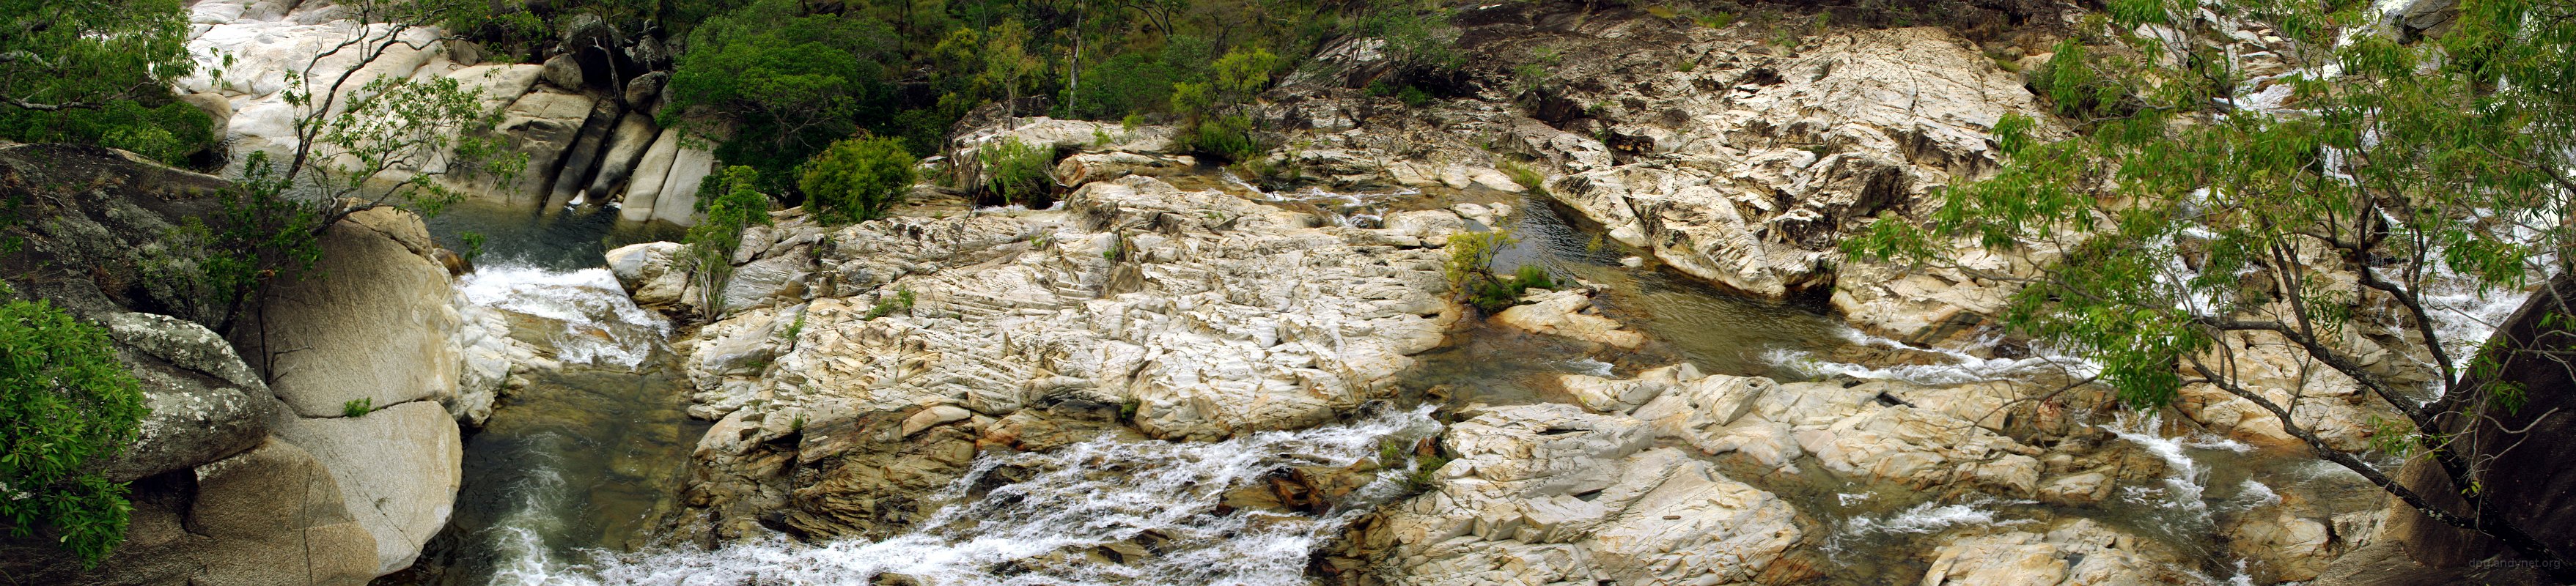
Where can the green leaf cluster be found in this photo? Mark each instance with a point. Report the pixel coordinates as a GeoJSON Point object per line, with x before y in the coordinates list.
{"type": "Point", "coordinates": [1015, 171]}
{"type": "Point", "coordinates": [738, 206]}
{"type": "Point", "coordinates": [66, 403]}
{"type": "Point", "coordinates": [857, 179]}
{"type": "Point", "coordinates": [1471, 278]}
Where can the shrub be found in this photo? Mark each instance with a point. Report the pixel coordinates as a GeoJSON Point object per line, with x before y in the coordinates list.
{"type": "Point", "coordinates": [1014, 171]}
{"type": "Point", "coordinates": [65, 403]}
{"type": "Point", "coordinates": [856, 180]}
{"type": "Point", "coordinates": [167, 133]}
{"type": "Point", "coordinates": [1471, 278]}
{"type": "Point", "coordinates": [1227, 139]}
{"type": "Point", "coordinates": [713, 240]}
{"type": "Point", "coordinates": [358, 407]}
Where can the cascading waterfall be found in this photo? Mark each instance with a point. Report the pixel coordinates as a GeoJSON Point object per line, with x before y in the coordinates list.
{"type": "Point", "coordinates": [1076, 499]}
{"type": "Point", "coordinates": [584, 453]}
{"type": "Point", "coordinates": [600, 325]}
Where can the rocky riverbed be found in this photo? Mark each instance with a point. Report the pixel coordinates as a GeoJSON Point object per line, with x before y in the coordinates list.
{"type": "Point", "coordinates": [1172, 372]}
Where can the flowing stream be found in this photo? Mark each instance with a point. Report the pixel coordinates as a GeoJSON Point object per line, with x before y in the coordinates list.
{"type": "Point", "coordinates": [566, 482]}
{"type": "Point", "coordinates": [585, 457]}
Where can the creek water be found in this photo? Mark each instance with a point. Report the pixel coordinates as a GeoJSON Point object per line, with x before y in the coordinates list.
{"type": "Point", "coordinates": [564, 484]}
{"type": "Point", "coordinates": [582, 458]}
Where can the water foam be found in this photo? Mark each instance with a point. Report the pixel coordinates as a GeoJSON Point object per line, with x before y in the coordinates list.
{"type": "Point", "coordinates": [518, 540]}
{"type": "Point", "coordinates": [1963, 368]}
{"type": "Point", "coordinates": [600, 325]}
{"type": "Point", "coordinates": [1075, 501]}
{"type": "Point", "coordinates": [2183, 491]}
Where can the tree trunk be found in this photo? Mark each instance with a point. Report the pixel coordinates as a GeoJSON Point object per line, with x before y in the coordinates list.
{"type": "Point", "coordinates": [2527, 452]}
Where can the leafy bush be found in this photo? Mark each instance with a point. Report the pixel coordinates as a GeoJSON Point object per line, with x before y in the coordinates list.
{"type": "Point", "coordinates": [1471, 278]}
{"type": "Point", "coordinates": [856, 180]}
{"type": "Point", "coordinates": [2073, 80]}
{"type": "Point", "coordinates": [473, 245]}
{"type": "Point", "coordinates": [358, 407]}
{"type": "Point", "coordinates": [167, 133]}
{"type": "Point", "coordinates": [65, 403]}
{"type": "Point", "coordinates": [1226, 139]}
{"type": "Point", "coordinates": [713, 240]}
{"type": "Point", "coordinates": [1014, 171]}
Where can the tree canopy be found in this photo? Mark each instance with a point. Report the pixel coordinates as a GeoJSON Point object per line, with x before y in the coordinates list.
{"type": "Point", "coordinates": [2189, 212]}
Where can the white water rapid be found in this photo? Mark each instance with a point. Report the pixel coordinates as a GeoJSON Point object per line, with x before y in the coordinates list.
{"type": "Point", "coordinates": [599, 325]}
{"type": "Point", "coordinates": [1163, 495]}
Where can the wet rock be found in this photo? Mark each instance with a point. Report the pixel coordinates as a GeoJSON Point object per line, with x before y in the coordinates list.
{"type": "Point", "coordinates": [935, 415]}
{"type": "Point", "coordinates": [2077, 489]}
{"type": "Point", "coordinates": [1081, 168]}
{"type": "Point", "coordinates": [1185, 340]}
{"type": "Point", "coordinates": [586, 152]}
{"type": "Point", "coordinates": [626, 145]}
{"type": "Point", "coordinates": [543, 125]}
{"type": "Point", "coordinates": [2327, 402]}
{"type": "Point", "coordinates": [1568, 313]}
{"type": "Point", "coordinates": [641, 90]}
{"type": "Point", "coordinates": [1851, 430]}
{"type": "Point", "coordinates": [649, 272]}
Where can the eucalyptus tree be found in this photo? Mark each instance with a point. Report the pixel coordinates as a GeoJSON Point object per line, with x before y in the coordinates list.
{"type": "Point", "coordinates": [2189, 210]}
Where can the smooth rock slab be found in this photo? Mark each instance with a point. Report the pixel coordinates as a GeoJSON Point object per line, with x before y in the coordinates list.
{"type": "Point", "coordinates": [398, 469]}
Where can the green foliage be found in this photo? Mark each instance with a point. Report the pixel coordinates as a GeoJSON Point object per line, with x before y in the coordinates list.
{"type": "Point", "coordinates": [2076, 82]}
{"type": "Point", "coordinates": [1417, 34]}
{"type": "Point", "coordinates": [2406, 168]}
{"type": "Point", "coordinates": [87, 53]}
{"type": "Point", "coordinates": [1225, 139]}
{"type": "Point", "coordinates": [794, 329]}
{"type": "Point", "coordinates": [167, 133]}
{"type": "Point", "coordinates": [358, 407]}
{"type": "Point", "coordinates": [712, 242]}
{"type": "Point", "coordinates": [857, 179]}
{"type": "Point", "coordinates": [795, 82]}
{"type": "Point", "coordinates": [1014, 171]}
{"type": "Point", "coordinates": [81, 72]}
{"type": "Point", "coordinates": [1528, 177]}
{"type": "Point", "coordinates": [385, 127]}
{"type": "Point", "coordinates": [65, 404]}
{"type": "Point", "coordinates": [888, 305]}
{"type": "Point", "coordinates": [211, 270]}
{"type": "Point", "coordinates": [1471, 278]}
{"type": "Point", "coordinates": [473, 245]}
